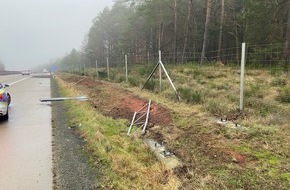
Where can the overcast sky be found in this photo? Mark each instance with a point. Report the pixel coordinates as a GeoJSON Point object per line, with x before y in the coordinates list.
{"type": "Point", "coordinates": [33, 32]}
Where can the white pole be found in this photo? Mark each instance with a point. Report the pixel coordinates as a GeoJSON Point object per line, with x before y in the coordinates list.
{"type": "Point", "coordinates": [242, 76]}
{"type": "Point", "coordinates": [97, 69]}
{"type": "Point", "coordinates": [147, 117]}
{"type": "Point", "coordinates": [126, 66]}
{"type": "Point", "coordinates": [160, 71]}
{"type": "Point", "coordinates": [108, 69]}
{"type": "Point", "coordinates": [148, 57]}
{"type": "Point", "coordinates": [169, 79]}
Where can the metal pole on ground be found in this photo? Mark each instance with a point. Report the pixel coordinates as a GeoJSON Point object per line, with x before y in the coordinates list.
{"type": "Point", "coordinates": [242, 76]}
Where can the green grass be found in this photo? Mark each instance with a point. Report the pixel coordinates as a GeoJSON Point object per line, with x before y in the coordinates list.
{"type": "Point", "coordinates": [151, 85]}
{"type": "Point", "coordinates": [264, 118]}
{"type": "Point", "coordinates": [284, 95]}
{"type": "Point", "coordinates": [203, 145]}
{"type": "Point", "coordinates": [126, 163]}
{"type": "Point", "coordinates": [279, 81]}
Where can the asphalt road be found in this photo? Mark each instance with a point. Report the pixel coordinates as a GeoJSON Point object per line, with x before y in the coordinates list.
{"type": "Point", "coordinates": [25, 140]}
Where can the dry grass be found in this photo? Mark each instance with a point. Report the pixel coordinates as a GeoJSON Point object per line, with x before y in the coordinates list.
{"type": "Point", "coordinates": [204, 146]}
{"type": "Point", "coordinates": [126, 162]}
{"type": "Point", "coordinates": [254, 156]}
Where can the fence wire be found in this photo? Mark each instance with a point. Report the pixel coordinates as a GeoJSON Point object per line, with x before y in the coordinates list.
{"type": "Point", "coordinates": [216, 83]}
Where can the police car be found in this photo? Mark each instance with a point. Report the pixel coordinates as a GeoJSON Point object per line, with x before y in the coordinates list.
{"type": "Point", "coordinates": [5, 100]}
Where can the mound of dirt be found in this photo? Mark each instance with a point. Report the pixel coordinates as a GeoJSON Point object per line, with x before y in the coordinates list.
{"type": "Point", "coordinates": [112, 100]}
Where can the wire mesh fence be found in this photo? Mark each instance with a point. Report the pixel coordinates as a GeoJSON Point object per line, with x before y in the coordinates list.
{"type": "Point", "coordinates": [257, 56]}
{"type": "Point", "coordinates": [215, 84]}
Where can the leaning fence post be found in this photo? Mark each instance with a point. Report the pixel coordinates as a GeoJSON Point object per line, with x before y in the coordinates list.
{"type": "Point", "coordinates": [147, 117]}
{"type": "Point", "coordinates": [242, 76]}
{"type": "Point", "coordinates": [126, 66]}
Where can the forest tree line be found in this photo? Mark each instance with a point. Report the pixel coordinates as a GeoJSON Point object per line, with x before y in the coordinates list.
{"type": "Point", "coordinates": [205, 29]}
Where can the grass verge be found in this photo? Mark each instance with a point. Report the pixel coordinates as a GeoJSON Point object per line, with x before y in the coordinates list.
{"type": "Point", "coordinates": [255, 156]}
{"type": "Point", "coordinates": [126, 162]}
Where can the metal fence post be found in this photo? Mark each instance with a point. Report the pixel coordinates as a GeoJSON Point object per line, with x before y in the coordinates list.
{"type": "Point", "coordinates": [148, 57]}
{"type": "Point", "coordinates": [160, 71]}
{"type": "Point", "coordinates": [242, 76]}
{"type": "Point", "coordinates": [97, 69]}
{"type": "Point", "coordinates": [108, 69]}
{"type": "Point", "coordinates": [126, 66]}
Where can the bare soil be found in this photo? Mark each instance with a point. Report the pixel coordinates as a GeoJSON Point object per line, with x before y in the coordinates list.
{"type": "Point", "coordinates": [117, 102]}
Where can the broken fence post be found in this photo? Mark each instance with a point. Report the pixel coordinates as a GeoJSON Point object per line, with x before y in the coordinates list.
{"type": "Point", "coordinates": [82, 98]}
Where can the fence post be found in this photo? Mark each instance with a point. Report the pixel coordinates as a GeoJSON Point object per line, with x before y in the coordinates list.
{"type": "Point", "coordinates": [126, 66]}
{"type": "Point", "coordinates": [242, 76]}
{"type": "Point", "coordinates": [97, 69]}
{"type": "Point", "coordinates": [148, 57]}
{"type": "Point", "coordinates": [160, 71]}
{"type": "Point", "coordinates": [108, 69]}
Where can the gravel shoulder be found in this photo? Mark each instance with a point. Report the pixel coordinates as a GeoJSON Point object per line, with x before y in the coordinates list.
{"type": "Point", "coordinates": [71, 166]}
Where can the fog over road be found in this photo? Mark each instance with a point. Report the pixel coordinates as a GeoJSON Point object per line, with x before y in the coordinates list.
{"type": "Point", "coordinates": [25, 140]}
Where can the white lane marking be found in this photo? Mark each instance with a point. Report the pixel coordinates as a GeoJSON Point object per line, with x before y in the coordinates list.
{"type": "Point", "coordinates": [12, 83]}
